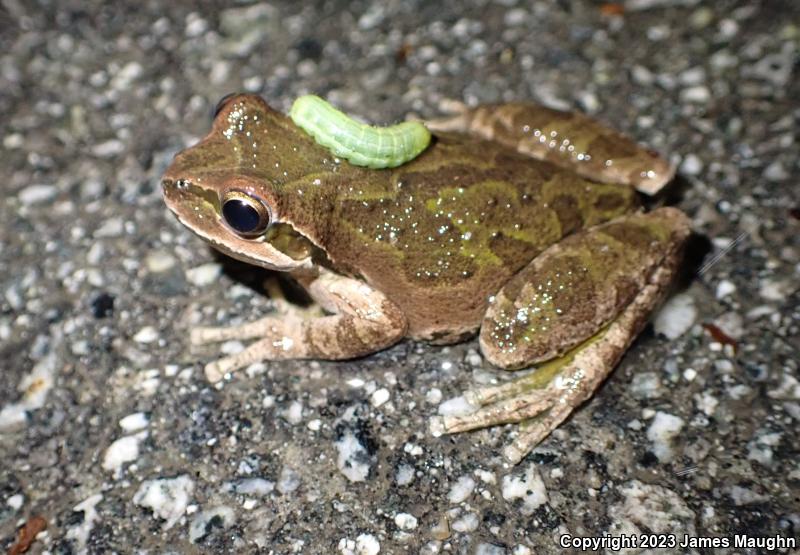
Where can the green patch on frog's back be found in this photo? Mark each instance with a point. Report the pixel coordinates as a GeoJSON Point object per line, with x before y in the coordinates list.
{"type": "Point", "coordinates": [465, 208]}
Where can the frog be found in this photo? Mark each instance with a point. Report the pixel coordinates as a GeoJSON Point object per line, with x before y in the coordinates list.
{"type": "Point", "coordinates": [519, 224]}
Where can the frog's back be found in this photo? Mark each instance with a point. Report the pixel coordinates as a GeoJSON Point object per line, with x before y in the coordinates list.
{"type": "Point", "coordinates": [443, 233]}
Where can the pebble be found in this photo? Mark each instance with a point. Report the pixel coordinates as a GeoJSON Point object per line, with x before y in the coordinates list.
{"type": "Point", "coordinates": [168, 498]}
{"type": "Point", "coordinates": [662, 430]}
{"type": "Point", "coordinates": [147, 334]}
{"type": "Point", "coordinates": [203, 523]}
{"type": "Point", "coordinates": [253, 486]}
{"type": "Point", "coordinates": [81, 531]}
{"type": "Point", "coordinates": [134, 422]}
{"type": "Point", "coordinates": [379, 397]}
{"type": "Point", "coordinates": [467, 523]}
{"type": "Point", "coordinates": [122, 451]}
{"type": "Point", "coordinates": [527, 486]}
{"type": "Point", "coordinates": [353, 459]}
{"type": "Point", "coordinates": [461, 490]}
{"type": "Point", "coordinates": [159, 262]}
{"type": "Point", "coordinates": [776, 172]}
{"type": "Point", "coordinates": [698, 94]}
{"type": "Point", "coordinates": [15, 501]}
{"type": "Point", "coordinates": [676, 316]}
{"type": "Point", "coordinates": [404, 475]}
{"type": "Point", "coordinates": [288, 481]}
{"type": "Point", "coordinates": [204, 275]}
{"type": "Point", "coordinates": [405, 521]}
{"type": "Point", "coordinates": [725, 288]}
{"type": "Point", "coordinates": [37, 194]}
{"type": "Point", "coordinates": [691, 165]}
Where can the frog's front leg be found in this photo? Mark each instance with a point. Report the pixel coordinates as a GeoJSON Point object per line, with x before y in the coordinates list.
{"type": "Point", "coordinates": [579, 305]}
{"type": "Point", "coordinates": [362, 321]}
{"type": "Point", "coordinates": [568, 139]}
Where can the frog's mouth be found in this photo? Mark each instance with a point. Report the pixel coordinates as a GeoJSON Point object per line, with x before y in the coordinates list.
{"type": "Point", "coordinates": [198, 208]}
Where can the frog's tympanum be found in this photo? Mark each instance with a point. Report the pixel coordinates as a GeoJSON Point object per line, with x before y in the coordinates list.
{"type": "Point", "coordinates": [517, 223]}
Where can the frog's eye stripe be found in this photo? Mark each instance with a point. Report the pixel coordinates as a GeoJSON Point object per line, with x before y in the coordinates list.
{"type": "Point", "coordinates": [358, 143]}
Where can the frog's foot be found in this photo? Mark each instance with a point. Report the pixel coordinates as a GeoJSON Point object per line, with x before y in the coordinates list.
{"type": "Point", "coordinates": [362, 321]}
{"type": "Point", "coordinates": [543, 399]}
{"type": "Point", "coordinates": [578, 305]}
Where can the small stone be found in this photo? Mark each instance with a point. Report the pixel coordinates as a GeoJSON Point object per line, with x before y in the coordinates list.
{"type": "Point", "coordinates": [698, 94]}
{"type": "Point", "coordinates": [467, 523]}
{"type": "Point", "coordinates": [379, 397]}
{"type": "Point", "coordinates": [353, 459]}
{"type": "Point", "coordinates": [775, 172]}
{"type": "Point", "coordinates": [37, 194]}
{"type": "Point", "coordinates": [159, 262]}
{"type": "Point", "coordinates": [461, 490]}
{"type": "Point", "coordinates": [405, 521]}
{"type": "Point", "coordinates": [168, 498]}
{"type": "Point", "coordinates": [691, 165]}
{"type": "Point", "coordinates": [205, 521]}
{"type": "Point", "coordinates": [134, 422]}
{"type": "Point", "coordinates": [122, 451]}
{"type": "Point", "coordinates": [725, 288]}
{"type": "Point", "coordinates": [288, 481]}
{"type": "Point", "coordinates": [661, 432]}
{"type": "Point", "coordinates": [15, 501]}
{"type": "Point", "coordinates": [204, 275]}
{"type": "Point", "coordinates": [676, 316]}
{"type": "Point", "coordinates": [367, 544]}
{"type": "Point", "coordinates": [527, 486]}
{"type": "Point", "coordinates": [147, 334]}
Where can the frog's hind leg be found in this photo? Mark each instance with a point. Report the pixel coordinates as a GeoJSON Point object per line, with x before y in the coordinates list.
{"type": "Point", "coordinates": [579, 305]}
{"type": "Point", "coordinates": [361, 321]}
{"type": "Point", "coordinates": [568, 139]}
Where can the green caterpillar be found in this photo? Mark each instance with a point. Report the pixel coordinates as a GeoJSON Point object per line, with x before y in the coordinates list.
{"type": "Point", "coordinates": [360, 144]}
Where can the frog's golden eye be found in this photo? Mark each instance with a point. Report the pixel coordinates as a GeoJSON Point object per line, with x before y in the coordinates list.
{"type": "Point", "coordinates": [222, 102]}
{"type": "Point", "coordinates": [244, 214]}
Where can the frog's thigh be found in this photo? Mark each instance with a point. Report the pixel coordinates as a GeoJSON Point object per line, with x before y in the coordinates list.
{"type": "Point", "coordinates": [567, 139]}
{"type": "Point", "coordinates": [576, 287]}
{"type": "Point", "coordinates": [363, 321]}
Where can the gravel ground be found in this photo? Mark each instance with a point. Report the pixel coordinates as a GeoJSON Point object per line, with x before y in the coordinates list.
{"type": "Point", "coordinates": [108, 429]}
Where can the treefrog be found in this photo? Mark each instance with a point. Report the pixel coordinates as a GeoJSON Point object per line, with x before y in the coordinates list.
{"type": "Point", "coordinates": [518, 223]}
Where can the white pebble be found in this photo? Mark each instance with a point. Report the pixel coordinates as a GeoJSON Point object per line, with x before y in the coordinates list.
{"type": "Point", "coordinates": [202, 523]}
{"type": "Point", "coordinates": [367, 544]}
{"type": "Point", "coordinates": [147, 334]}
{"type": "Point", "coordinates": [288, 481]}
{"type": "Point", "coordinates": [467, 523]}
{"type": "Point", "coordinates": [698, 94]}
{"type": "Point", "coordinates": [353, 459]}
{"type": "Point", "coordinates": [15, 501]}
{"type": "Point", "coordinates": [661, 431]}
{"type": "Point", "coordinates": [527, 486]}
{"type": "Point", "coordinates": [204, 275]}
{"type": "Point", "coordinates": [676, 316]}
{"type": "Point", "coordinates": [725, 288]}
{"type": "Point", "coordinates": [168, 498]}
{"type": "Point", "coordinates": [434, 396]}
{"type": "Point", "coordinates": [405, 521]}
{"type": "Point", "coordinates": [123, 450]}
{"type": "Point", "coordinates": [37, 194]}
{"type": "Point", "coordinates": [134, 422]}
{"type": "Point", "coordinates": [461, 490]}
{"type": "Point", "coordinates": [379, 397]}
{"type": "Point", "coordinates": [691, 165]}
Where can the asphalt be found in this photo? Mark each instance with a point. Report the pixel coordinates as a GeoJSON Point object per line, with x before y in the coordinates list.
{"type": "Point", "coordinates": [108, 429]}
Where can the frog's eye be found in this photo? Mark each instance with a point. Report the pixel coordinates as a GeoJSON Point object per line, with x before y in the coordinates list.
{"type": "Point", "coordinates": [222, 102]}
{"type": "Point", "coordinates": [245, 214]}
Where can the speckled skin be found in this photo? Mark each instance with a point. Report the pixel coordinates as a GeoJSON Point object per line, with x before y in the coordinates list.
{"type": "Point", "coordinates": [471, 234]}
{"type": "Point", "coordinates": [438, 236]}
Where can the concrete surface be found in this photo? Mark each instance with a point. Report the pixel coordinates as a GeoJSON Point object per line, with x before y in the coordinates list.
{"type": "Point", "coordinates": [108, 428]}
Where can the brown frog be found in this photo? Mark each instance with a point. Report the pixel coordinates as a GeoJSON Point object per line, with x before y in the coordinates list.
{"type": "Point", "coordinates": [518, 223]}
